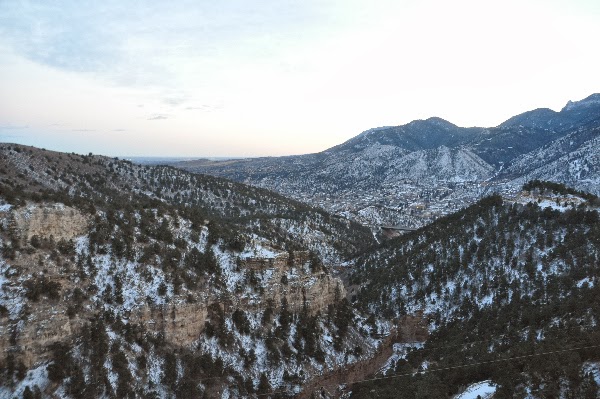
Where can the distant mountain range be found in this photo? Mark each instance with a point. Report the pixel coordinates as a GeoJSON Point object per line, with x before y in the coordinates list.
{"type": "Point", "coordinates": [124, 280]}
{"type": "Point", "coordinates": [426, 154]}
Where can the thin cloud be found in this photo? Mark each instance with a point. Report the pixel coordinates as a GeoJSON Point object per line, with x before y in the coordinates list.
{"type": "Point", "coordinates": [83, 130]}
{"type": "Point", "coordinates": [14, 127]}
{"type": "Point", "coordinates": [204, 107]}
{"type": "Point", "coordinates": [146, 46]}
{"type": "Point", "coordinates": [119, 130]}
{"type": "Point", "coordinates": [173, 101]}
{"type": "Point", "coordinates": [157, 117]}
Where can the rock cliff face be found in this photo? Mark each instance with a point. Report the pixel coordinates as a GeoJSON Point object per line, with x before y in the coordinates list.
{"type": "Point", "coordinates": [170, 271]}
{"type": "Point", "coordinates": [55, 221]}
{"type": "Point", "coordinates": [294, 280]}
{"type": "Point", "coordinates": [182, 323]}
{"type": "Point", "coordinates": [32, 326]}
{"type": "Point", "coordinates": [30, 340]}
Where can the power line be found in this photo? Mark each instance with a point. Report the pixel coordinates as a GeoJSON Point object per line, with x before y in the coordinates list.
{"type": "Point", "coordinates": [388, 377]}
{"type": "Point", "coordinates": [475, 364]}
{"type": "Point", "coordinates": [498, 337]}
{"type": "Point", "coordinates": [224, 377]}
{"type": "Point", "coordinates": [435, 348]}
{"type": "Point", "coordinates": [424, 349]}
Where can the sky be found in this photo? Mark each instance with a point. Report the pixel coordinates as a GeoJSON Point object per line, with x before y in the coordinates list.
{"type": "Point", "coordinates": [279, 77]}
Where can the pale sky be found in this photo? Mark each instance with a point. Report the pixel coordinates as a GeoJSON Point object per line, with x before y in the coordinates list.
{"type": "Point", "coordinates": [279, 77]}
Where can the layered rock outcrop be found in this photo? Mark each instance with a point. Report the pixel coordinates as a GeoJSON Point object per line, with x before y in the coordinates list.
{"type": "Point", "coordinates": [55, 221]}
{"type": "Point", "coordinates": [32, 326]}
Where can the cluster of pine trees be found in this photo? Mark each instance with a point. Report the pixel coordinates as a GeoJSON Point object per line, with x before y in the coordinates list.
{"type": "Point", "coordinates": [498, 280]}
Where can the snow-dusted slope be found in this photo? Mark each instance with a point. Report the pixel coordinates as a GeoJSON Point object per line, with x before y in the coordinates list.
{"type": "Point", "coordinates": [441, 164]}
{"type": "Point", "coordinates": [573, 160]}
{"type": "Point", "coordinates": [118, 280]}
{"type": "Point", "coordinates": [508, 287]}
{"type": "Point", "coordinates": [372, 177]}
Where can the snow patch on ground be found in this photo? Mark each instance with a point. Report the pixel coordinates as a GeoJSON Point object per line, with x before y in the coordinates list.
{"type": "Point", "coordinates": [35, 377]}
{"type": "Point", "coordinates": [400, 352]}
{"type": "Point", "coordinates": [10, 297]}
{"type": "Point", "coordinates": [484, 389]}
{"type": "Point", "coordinates": [594, 369]}
{"type": "Point", "coordinates": [583, 281]}
{"type": "Point", "coordinates": [552, 204]}
{"type": "Point", "coordinates": [155, 364]}
{"type": "Point", "coordinates": [259, 250]}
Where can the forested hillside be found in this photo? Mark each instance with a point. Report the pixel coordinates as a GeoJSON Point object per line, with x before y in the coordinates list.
{"type": "Point", "coordinates": [118, 280]}
{"type": "Point", "coordinates": [496, 281]}
{"type": "Point", "coordinates": [104, 181]}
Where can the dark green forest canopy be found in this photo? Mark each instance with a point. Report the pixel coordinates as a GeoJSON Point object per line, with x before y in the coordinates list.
{"type": "Point", "coordinates": [496, 280]}
{"type": "Point", "coordinates": [541, 186]}
{"type": "Point", "coordinates": [92, 182]}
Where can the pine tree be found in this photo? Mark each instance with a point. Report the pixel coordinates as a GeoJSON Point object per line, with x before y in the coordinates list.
{"type": "Point", "coordinates": [263, 386]}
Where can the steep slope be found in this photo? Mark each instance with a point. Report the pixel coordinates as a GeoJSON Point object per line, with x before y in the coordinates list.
{"type": "Point", "coordinates": [502, 145]}
{"type": "Point", "coordinates": [584, 111]}
{"type": "Point", "coordinates": [104, 179]}
{"type": "Point", "coordinates": [129, 281]}
{"type": "Point", "coordinates": [367, 159]}
{"type": "Point", "coordinates": [124, 281]}
{"type": "Point", "coordinates": [503, 279]}
{"type": "Point", "coordinates": [441, 164]}
{"type": "Point", "coordinates": [572, 159]}
{"type": "Point", "coordinates": [541, 118]}
{"type": "Point", "coordinates": [531, 130]}
{"type": "Point", "coordinates": [414, 136]}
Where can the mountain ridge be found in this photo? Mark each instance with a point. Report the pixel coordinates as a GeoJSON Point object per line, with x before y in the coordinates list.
{"type": "Point", "coordinates": [384, 162]}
